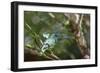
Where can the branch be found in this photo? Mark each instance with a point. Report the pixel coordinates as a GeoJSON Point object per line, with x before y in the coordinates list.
{"type": "Point", "coordinates": [76, 28]}
{"type": "Point", "coordinates": [81, 39]}
{"type": "Point", "coordinates": [35, 52]}
{"type": "Point", "coordinates": [54, 56]}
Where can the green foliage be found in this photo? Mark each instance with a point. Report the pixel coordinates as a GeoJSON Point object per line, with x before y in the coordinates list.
{"type": "Point", "coordinates": [36, 23]}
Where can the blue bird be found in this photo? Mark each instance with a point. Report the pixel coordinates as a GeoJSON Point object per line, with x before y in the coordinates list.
{"type": "Point", "coordinates": [51, 40]}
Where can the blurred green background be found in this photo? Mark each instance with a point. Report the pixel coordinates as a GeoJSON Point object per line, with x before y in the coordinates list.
{"type": "Point", "coordinates": [39, 27]}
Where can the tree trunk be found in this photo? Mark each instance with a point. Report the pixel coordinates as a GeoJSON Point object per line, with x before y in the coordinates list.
{"type": "Point", "coordinates": [76, 28]}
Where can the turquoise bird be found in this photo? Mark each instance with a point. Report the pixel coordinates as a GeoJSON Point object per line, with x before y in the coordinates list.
{"type": "Point", "coordinates": [51, 40]}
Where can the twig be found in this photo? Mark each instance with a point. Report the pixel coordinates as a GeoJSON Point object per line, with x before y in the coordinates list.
{"type": "Point", "coordinates": [55, 56]}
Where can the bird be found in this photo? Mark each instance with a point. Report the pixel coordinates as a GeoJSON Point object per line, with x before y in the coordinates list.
{"type": "Point", "coordinates": [52, 39]}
